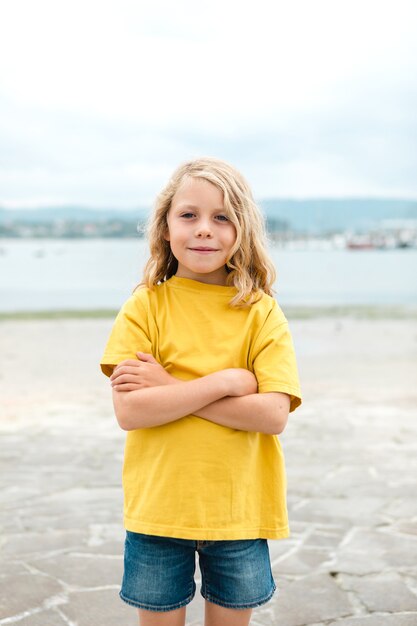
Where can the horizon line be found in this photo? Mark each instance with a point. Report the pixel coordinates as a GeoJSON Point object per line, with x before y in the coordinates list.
{"type": "Point", "coordinates": [6, 206]}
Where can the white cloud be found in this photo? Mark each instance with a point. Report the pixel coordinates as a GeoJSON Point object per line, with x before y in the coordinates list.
{"type": "Point", "coordinates": [123, 91]}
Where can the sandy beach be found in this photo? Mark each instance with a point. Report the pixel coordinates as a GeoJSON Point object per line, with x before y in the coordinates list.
{"type": "Point", "coordinates": [351, 453]}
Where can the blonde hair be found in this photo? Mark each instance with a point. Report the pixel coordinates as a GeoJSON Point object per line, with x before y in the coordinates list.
{"type": "Point", "coordinates": [249, 267]}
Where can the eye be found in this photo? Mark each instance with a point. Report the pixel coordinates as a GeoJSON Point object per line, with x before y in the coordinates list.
{"type": "Point", "coordinates": [222, 218]}
{"type": "Point", "coordinates": [187, 215]}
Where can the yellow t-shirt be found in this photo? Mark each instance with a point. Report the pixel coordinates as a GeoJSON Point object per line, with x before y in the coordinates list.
{"type": "Point", "coordinates": [192, 478]}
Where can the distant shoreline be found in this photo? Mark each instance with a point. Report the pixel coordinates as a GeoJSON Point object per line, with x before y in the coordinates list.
{"type": "Point", "coordinates": [368, 312]}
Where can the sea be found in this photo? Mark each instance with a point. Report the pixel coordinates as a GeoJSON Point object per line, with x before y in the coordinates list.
{"type": "Point", "coordinates": [91, 274]}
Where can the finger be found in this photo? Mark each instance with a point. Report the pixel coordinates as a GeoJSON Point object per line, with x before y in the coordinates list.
{"type": "Point", "coordinates": [127, 387]}
{"type": "Point", "coordinates": [118, 369]}
{"type": "Point", "coordinates": [125, 378]}
{"type": "Point", "coordinates": [125, 369]}
{"type": "Point", "coordinates": [148, 358]}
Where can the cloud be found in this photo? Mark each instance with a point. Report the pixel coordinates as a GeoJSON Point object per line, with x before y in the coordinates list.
{"type": "Point", "coordinates": [100, 101]}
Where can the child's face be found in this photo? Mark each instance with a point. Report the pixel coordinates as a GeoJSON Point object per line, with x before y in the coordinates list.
{"type": "Point", "coordinates": [200, 234]}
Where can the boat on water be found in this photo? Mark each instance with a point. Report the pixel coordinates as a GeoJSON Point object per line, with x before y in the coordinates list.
{"type": "Point", "coordinates": [360, 245]}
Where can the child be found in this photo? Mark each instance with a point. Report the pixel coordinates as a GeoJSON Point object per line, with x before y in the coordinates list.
{"type": "Point", "coordinates": [203, 376]}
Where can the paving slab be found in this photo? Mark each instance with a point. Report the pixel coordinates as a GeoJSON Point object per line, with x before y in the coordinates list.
{"type": "Point", "coordinates": [11, 569]}
{"type": "Point", "coordinates": [384, 592]}
{"type": "Point", "coordinates": [303, 561]}
{"type": "Point", "coordinates": [30, 544]}
{"type": "Point", "coordinates": [311, 599]}
{"type": "Point", "coordinates": [407, 527]}
{"type": "Point", "coordinates": [26, 592]}
{"type": "Point", "coordinates": [82, 570]}
{"type": "Point", "coordinates": [351, 510]}
{"type": "Point", "coordinates": [99, 608]}
{"type": "Point", "coordinates": [407, 619]}
{"type": "Point", "coordinates": [357, 563]}
{"type": "Point", "coordinates": [43, 618]}
{"type": "Point", "coordinates": [351, 467]}
{"type": "Point", "coordinates": [396, 550]}
{"type": "Point", "coordinates": [323, 539]}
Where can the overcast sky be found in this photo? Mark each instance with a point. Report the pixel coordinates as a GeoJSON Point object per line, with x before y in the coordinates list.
{"type": "Point", "coordinates": [101, 100]}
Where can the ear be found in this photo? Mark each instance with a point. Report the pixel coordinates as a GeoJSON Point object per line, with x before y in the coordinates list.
{"type": "Point", "coordinates": [166, 235]}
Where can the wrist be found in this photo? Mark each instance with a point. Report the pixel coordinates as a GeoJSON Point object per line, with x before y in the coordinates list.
{"type": "Point", "coordinates": [227, 381]}
{"type": "Point", "coordinates": [221, 381]}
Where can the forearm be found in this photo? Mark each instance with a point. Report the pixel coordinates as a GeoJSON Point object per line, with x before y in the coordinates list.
{"type": "Point", "coordinates": [259, 412]}
{"type": "Point", "coordinates": [154, 406]}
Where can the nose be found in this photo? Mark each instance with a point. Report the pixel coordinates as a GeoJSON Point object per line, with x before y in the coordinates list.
{"type": "Point", "coordinates": [203, 229]}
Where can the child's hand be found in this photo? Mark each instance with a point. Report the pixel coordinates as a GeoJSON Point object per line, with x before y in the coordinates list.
{"type": "Point", "coordinates": [131, 375]}
{"type": "Point", "coordinates": [242, 382]}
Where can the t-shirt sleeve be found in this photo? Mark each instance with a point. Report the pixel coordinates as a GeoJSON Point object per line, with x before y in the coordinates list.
{"type": "Point", "coordinates": [274, 361]}
{"type": "Point", "coordinates": [130, 334]}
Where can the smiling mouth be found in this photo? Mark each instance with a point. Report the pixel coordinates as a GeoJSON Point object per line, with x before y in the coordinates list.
{"type": "Point", "coordinates": [203, 249]}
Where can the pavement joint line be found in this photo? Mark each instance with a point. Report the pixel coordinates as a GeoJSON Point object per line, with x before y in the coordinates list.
{"type": "Point", "coordinates": [370, 472]}
{"type": "Point", "coordinates": [55, 600]}
{"type": "Point", "coordinates": [34, 570]}
{"type": "Point", "coordinates": [41, 556]}
{"type": "Point", "coordinates": [96, 555]}
{"type": "Point", "coordinates": [285, 555]}
{"type": "Point", "coordinates": [356, 602]}
{"type": "Point", "coordinates": [19, 616]}
{"type": "Point", "coordinates": [301, 503]}
{"type": "Point", "coordinates": [348, 536]}
{"type": "Point", "coordinates": [65, 618]}
{"type": "Point", "coordinates": [75, 589]}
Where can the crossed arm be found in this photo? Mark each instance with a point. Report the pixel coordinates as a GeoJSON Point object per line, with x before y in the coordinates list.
{"type": "Point", "coordinates": [146, 395]}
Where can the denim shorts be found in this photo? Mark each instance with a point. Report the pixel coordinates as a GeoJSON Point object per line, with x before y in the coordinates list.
{"type": "Point", "coordinates": [159, 572]}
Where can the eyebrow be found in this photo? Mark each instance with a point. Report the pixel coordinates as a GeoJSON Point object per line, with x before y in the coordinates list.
{"type": "Point", "coordinates": [193, 206]}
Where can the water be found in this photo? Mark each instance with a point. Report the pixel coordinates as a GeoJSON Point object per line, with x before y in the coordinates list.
{"type": "Point", "coordinates": [101, 273]}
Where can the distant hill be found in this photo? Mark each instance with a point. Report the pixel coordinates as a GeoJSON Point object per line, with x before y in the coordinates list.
{"type": "Point", "coordinates": [76, 213]}
{"type": "Point", "coordinates": [326, 215]}
{"type": "Point", "coordinates": [310, 215]}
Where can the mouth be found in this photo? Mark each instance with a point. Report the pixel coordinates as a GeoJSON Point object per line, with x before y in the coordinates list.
{"type": "Point", "coordinates": [203, 249]}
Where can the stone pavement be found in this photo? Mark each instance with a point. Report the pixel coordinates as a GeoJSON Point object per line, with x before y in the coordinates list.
{"type": "Point", "coordinates": [352, 484]}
